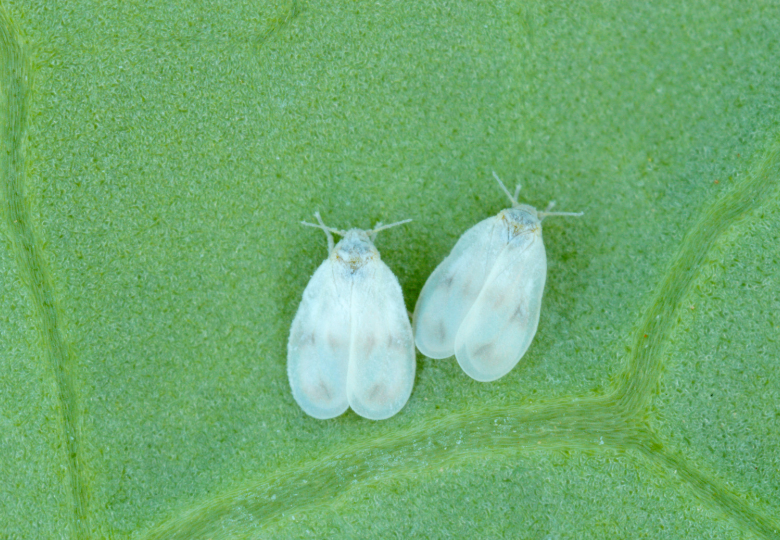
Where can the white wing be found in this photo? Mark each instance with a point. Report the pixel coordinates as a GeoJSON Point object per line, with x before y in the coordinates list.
{"type": "Point", "coordinates": [451, 290]}
{"type": "Point", "coordinates": [318, 349]}
{"type": "Point", "coordinates": [502, 322]}
{"type": "Point", "coordinates": [381, 363]}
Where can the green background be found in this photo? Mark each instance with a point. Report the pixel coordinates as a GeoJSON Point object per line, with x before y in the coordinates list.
{"type": "Point", "coordinates": [156, 160]}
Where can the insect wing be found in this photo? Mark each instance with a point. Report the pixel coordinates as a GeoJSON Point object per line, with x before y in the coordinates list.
{"type": "Point", "coordinates": [382, 362]}
{"type": "Point", "coordinates": [453, 287]}
{"type": "Point", "coordinates": [502, 322]}
{"type": "Point", "coordinates": [318, 349]}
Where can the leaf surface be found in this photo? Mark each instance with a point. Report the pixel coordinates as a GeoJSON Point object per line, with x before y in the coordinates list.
{"type": "Point", "coordinates": [156, 161]}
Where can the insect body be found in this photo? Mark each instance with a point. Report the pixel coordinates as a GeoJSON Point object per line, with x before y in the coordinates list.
{"type": "Point", "coordinates": [482, 302]}
{"type": "Point", "coordinates": [351, 343]}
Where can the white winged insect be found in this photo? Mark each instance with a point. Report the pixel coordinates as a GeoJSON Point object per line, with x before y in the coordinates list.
{"type": "Point", "coordinates": [351, 343]}
{"type": "Point", "coordinates": [482, 302]}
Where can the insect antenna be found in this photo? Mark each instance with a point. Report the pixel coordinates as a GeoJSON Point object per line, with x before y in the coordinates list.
{"type": "Point", "coordinates": [550, 206]}
{"type": "Point", "coordinates": [328, 230]}
{"type": "Point", "coordinates": [541, 215]}
{"type": "Point", "coordinates": [503, 187]}
{"type": "Point", "coordinates": [379, 227]}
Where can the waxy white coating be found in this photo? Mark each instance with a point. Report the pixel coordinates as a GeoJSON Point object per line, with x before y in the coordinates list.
{"type": "Point", "coordinates": [482, 303]}
{"type": "Point", "coordinates": [351, 343]}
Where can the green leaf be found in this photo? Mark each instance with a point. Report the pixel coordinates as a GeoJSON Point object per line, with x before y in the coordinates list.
{"type": "Point", "coordinates": [156, 160]}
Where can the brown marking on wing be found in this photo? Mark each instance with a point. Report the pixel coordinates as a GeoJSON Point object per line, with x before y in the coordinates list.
{"type": "Point", "coordinates": [441, 331]}
{"type": "Point", "coordinates": [333, 341]}
{"type": "Point", "coordinates": [369, 344]}
{"type": "Point", "coordinates": [395, 343]}
{"type": "Point", "coordinates": [498, 301]}
{"type": "Point", "coordinates": [319, 391]}
{"type": "Point", "coordinates": [377, 393]}
{"type": "Point", "coordinates": [520, 314]}
{"type": "Point", "coordinates": [483, 350]}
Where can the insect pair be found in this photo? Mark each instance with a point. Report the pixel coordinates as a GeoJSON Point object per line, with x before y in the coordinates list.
{"type": "Point", "coordinates": [351, 344]}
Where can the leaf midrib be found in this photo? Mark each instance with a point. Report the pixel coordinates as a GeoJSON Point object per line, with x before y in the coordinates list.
{"type": "Point", "coordinates": [15, 78]}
